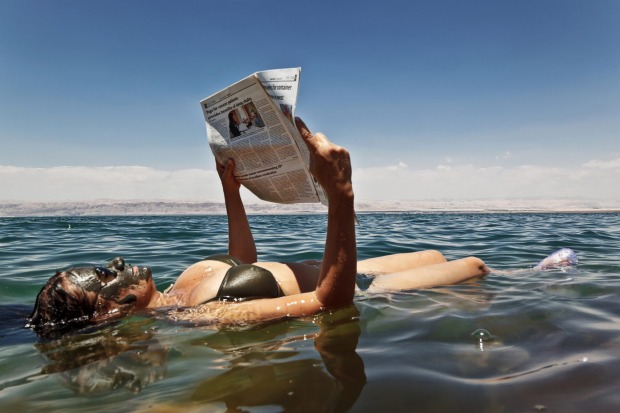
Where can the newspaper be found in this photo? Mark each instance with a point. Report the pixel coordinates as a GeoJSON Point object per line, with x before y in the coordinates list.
{"type": "Point", "coordinates": [252, 122]}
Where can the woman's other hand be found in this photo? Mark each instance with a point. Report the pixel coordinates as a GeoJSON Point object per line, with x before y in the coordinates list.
{"type": "Point", "coordinates": [225, 171]}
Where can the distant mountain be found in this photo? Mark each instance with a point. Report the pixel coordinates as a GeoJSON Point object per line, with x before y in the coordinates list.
{"type": "Point", "coordinates": [109, 207]}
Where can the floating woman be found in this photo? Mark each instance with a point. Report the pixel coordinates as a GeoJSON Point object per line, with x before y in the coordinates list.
{"type": "Point", "coordinates": [235, 288]}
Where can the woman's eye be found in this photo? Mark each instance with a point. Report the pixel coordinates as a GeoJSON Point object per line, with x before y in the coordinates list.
{"type": "Point", "coordinates": [104, 274]}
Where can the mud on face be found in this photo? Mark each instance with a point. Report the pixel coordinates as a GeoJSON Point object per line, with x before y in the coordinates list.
{"type": "Point", "coordinates": [80, 296]}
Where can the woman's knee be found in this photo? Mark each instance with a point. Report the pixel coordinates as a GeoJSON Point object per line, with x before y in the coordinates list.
{"type": "Point", "coordinates": [435, 255]}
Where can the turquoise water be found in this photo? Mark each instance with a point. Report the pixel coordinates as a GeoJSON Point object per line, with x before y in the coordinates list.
{"type": "Point", "coordinates": [533, 341]}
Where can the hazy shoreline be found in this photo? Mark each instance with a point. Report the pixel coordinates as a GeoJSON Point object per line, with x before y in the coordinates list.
{"type": "Point", "coordinates": [122, 208]}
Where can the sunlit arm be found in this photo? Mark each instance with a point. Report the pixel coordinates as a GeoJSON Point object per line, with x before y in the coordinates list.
{"type": "Point", "coordinates": [240, 239]}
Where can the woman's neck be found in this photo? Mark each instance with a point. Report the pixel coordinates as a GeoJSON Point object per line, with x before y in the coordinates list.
{"type": "Point", "coordinates": [160, 299]}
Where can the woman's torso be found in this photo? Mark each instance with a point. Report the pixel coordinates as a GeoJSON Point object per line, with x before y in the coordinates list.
{"type": "Point", "coordinates": [201, 281]}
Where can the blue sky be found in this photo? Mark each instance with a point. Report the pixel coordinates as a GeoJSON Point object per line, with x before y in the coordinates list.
{"type": "Point", "coordinates": [434, 99]}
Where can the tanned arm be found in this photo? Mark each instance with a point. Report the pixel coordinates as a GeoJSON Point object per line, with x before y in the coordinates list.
{"type": "Point", "coordinates": [330, 164]}
{"type": "Point", "coordinates": [240, 239]}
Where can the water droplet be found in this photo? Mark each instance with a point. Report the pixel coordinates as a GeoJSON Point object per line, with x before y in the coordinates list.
{"type": "Point", "coordinates": [482, 335]}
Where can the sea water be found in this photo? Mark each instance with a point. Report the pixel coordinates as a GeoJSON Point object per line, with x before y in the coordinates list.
{"type": "Point", "coordinates": [511, 342]}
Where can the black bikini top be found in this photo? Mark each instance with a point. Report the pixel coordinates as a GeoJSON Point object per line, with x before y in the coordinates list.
{"type": "Point", "coordinates": [244, 282]}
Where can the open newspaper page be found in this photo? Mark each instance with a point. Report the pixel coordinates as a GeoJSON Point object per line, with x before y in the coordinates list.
{"type": "Point", "coordinates": [252, 123]}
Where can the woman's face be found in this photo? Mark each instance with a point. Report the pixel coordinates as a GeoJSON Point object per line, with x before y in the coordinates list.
{"type": "Point", "coordinates": [119, 287]}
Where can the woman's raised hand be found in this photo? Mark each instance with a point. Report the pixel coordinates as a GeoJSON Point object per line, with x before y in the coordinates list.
{"type": "Point", "coordinates": [225, 171]}
{"type": "Point", "coordinates": [329, 163]}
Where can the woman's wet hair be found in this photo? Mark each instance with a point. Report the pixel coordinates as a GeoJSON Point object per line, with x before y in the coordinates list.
{"type": "Point", "coordinates": [62, 306]}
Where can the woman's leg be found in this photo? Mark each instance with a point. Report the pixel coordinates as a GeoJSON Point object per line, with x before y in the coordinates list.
{"type": "Point", "coordinates": [389, 264]}
{"type": "Point", "coordinates": [445, 273]}
{"type": "Point", "coordinates": [394, 272]}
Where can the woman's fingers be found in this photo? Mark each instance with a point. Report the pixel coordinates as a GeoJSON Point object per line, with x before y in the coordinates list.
{"type": "Point", "coordinates": [313, 141]}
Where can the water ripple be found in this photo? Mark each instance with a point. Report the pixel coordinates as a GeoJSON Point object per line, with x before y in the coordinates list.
{"type": "Point", "coordinates": [551, 333]}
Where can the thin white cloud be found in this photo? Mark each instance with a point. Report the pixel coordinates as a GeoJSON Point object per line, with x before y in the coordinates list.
{"type": "Point", "coordinates": [442, 167]}
{"type": "Point", "coordinates": [612, 164]}
{"type": "Point", "coordinates": [117, 183]}
{"type": "Point", "coordinates": [595, 179]}
{"type": "Point", "coordinates": [505, 155]}
{"type": "Point", "coordinates": [398, 166]}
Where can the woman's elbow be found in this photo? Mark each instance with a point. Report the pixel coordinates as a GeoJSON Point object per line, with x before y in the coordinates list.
{"type": "Point", "coordinates": [334, 299]}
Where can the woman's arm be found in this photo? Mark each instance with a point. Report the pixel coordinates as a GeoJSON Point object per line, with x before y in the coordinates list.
{"type": "Point", "coordinates": [240, 239]}
{"type": "Point", "coordinates": [330, 164]}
